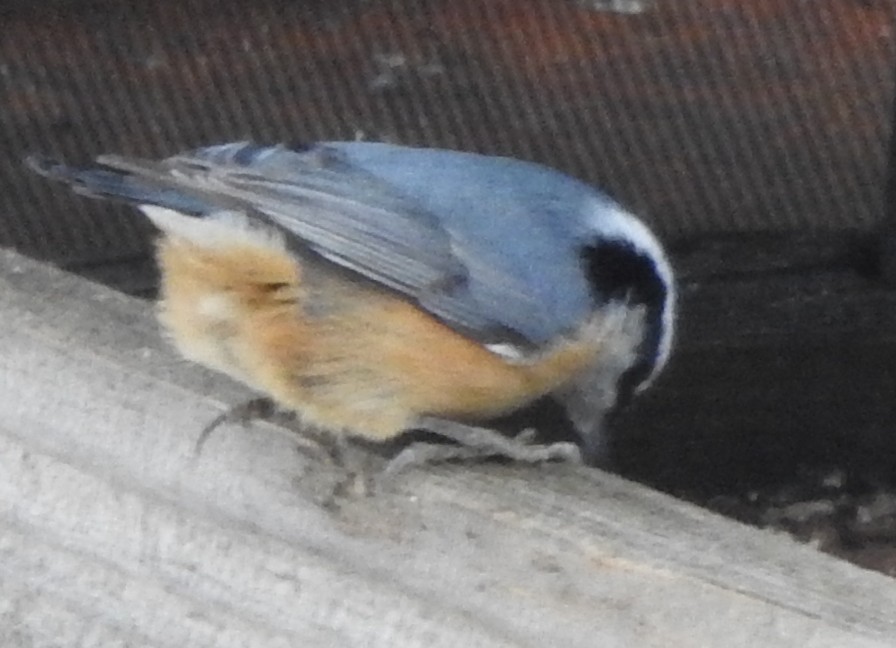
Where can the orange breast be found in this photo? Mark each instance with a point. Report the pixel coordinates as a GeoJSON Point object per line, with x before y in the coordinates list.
{"type": "Point", "coordinates": [346, 356]}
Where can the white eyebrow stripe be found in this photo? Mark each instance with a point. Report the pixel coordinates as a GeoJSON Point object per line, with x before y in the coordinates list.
{"type": "Point", "coordinates": [612, 222]}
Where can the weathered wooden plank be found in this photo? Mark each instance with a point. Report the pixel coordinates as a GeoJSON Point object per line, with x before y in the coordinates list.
{"type": "Point", "coordinates": [112, 533]}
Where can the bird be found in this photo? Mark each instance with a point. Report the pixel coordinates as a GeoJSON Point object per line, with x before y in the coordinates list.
{"type": "Point", "coordinates": [372, 288]}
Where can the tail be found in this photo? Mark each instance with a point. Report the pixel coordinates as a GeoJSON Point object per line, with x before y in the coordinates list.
{"type": "Point", "coordinates": [98, 182]}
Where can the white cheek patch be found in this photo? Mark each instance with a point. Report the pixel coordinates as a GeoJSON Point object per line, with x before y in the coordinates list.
{"type": "Point", "coordinates": [218, 229]}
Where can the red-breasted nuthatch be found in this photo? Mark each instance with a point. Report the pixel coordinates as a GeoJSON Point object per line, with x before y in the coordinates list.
{"type": "Point", "coordinates": [370, 287]}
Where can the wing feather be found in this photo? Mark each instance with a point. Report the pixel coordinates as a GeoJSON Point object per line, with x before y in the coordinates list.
{"type": "Point", "coordinates": [344, 214]}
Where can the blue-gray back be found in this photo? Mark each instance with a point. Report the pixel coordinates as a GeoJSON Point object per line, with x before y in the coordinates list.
{"type": "Point", "coordinates": [492, 246]}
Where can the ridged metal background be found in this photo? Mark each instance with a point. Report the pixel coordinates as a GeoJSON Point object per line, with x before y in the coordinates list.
{"type": "Point", "coordinates": [704, 115]}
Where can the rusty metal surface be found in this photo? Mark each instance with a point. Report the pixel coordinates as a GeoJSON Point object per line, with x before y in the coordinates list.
{"type": "Point", "coordinates": [705, 115]}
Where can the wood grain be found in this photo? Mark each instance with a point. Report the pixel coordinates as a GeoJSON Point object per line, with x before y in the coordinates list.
{"type": "Point", "coordinates": [112, 534]}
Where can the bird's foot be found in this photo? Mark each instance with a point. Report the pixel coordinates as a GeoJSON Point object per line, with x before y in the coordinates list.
{"type": "Point", "coordinates": [477, 443]}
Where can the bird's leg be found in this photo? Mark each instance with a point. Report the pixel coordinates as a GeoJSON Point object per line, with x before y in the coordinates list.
{"type": "Point", "coordinates": [243, 414]}
{"type": "Point", "coordinates": [355, 480]}
{"type": "Point", "coordinates": [479, 443]}
{"type": "Point", "coordinates": [265, 409]}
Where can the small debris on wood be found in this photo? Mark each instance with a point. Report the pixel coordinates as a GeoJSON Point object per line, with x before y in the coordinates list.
{"type": "Point", "coordinates": [839, 515]}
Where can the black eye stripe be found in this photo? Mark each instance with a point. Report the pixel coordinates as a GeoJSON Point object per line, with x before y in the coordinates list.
{"type": "Point", "coordinates": [617, 271]}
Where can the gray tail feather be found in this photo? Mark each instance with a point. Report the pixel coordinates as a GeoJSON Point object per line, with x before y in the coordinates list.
{"type": "Point", "coordinates": [98, 182]}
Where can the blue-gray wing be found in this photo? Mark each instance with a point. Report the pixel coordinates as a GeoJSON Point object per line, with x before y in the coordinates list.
{"type": "Point", "coordinates": [341, 212]}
